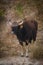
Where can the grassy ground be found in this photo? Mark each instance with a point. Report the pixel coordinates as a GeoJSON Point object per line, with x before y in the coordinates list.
{"type": "Point", "coordinates": [14, 11]}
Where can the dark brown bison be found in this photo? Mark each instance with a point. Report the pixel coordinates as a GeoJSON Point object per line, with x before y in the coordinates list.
{"type": "Point", "coordinates": [26, 31]}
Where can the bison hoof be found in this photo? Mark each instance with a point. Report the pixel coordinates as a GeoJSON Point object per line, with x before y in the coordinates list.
{"type": "Point", "coordinates": [27, 55]}
{"type": "Point", "coordinates": [22, 54]}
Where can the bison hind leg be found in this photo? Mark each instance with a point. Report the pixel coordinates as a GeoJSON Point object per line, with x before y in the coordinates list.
{"type": "Point", "coordinates": [26, 48]}
{"type": "Point", "coordinates": [26, 43]}
{"type": "Point", "coordinates": [29, 41]}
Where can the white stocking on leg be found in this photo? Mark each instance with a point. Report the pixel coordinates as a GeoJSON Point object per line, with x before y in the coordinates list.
{"type": "Point", "coordinates": [26, 51]}
{"type": "Point", "coordinates": [23, 49]}
{"type": "Point", "coordinates": [22, 52]}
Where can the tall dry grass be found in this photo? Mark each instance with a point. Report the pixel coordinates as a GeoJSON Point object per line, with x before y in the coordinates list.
{"type": "Point", "coordinates": [36, 51]}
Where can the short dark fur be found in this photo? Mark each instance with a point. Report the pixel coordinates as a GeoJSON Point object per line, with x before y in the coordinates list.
{"type": "Point", "coordinates": [27, 33]}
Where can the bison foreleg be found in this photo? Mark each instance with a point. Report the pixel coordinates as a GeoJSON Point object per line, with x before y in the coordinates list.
{"type": "Point", "coordinates": [32, 41]}
{"type": "Point", "coordinates": [26, 50]}
{"type": "Point", "coordinates": [22, 51]}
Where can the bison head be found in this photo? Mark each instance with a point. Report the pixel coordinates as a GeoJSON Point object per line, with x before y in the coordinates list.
{"type": "Point", "coordinates": [16, 27]}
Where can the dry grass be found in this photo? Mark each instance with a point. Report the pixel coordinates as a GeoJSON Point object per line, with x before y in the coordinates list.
{"type": "Point", "coordinates": [36, 51]}
{"type": "Point", "coordinates": [8, 45]}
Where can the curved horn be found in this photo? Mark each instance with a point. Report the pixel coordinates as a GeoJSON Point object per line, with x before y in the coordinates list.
{"type": "Point", "coordinates": [21, 22]}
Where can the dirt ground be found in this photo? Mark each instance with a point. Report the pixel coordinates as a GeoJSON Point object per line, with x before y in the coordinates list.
{"type": "Point", "coordinates": [20, 61]}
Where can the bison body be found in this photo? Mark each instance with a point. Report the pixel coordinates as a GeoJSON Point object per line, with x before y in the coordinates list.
{"type": "Point", "coordinates": [26, 32]}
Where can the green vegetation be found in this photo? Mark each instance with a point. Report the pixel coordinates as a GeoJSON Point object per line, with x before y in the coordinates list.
{"type": "Point", "coordinates": [19, 9]}
{"type": "Point", "coordinates": [2, 12]}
